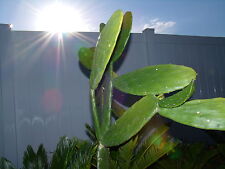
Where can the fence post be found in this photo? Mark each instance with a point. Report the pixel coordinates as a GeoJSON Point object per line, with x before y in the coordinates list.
{"type": "Point", "coordinates": [8, 138]}
{"type": "Point", "coordinates": [148, 35]}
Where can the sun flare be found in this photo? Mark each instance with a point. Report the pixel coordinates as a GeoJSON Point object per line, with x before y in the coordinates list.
{"type": "Point", "coordinates": [60, 18]}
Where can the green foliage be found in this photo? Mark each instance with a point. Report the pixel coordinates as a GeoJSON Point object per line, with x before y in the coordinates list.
{"type": "Point", "coordinates": [124, 155]}
{"type": "Point", "coordinates": [5, 164]}
{"type": "Point", "coordinates": [154, 147]}
{"type": "Point", "coordinates": [91, 132]}
{"type": "Point", "coordinates": [195, 156]}
{"type": "Point", "coordinates": [32, 160]}
{"type": "Point", "coordinates": [205, 114]}
{"type": "Point", "coordinates": [123, 37]}
{"type": "Point", "coordinates": [72, 153]}
{"type": "Point", "coordinates": [69, 154]}
{"type": "Point", "coordinates": [117, 109]}
{"type": "Point", "coordinates": [63, 154]}
{"type": "Point", "coordinates": [120, 144]}
{"type": "Point", "coordinates": [131, 122]}
{"type": "Point", "coordinates": [101, 26]}
{"type": "Point", "coordinates": [83, 156]}
{"type": "Point", "coordinates": [104, 97]}
{"type": "Point", "coordinates": [139, 154]}
{"type": "Point", "coordinates": [86, 56]}
{"type": "Point", "coordinates": [104, 48]}
{"type": "Point", "coordinates": [103, 157]}
{"type": "Point", "coordinates": [178, 98]}
{"type": "Point", "coordinates": [156, 79]}
{"type": "Point", "coordinates": [154, 84]}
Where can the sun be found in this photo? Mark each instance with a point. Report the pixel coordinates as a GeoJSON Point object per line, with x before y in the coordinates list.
{"type": "Point", "coordinates": [60, 18]}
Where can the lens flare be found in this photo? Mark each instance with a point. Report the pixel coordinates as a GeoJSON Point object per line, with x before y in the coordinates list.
{"type": "Point", "coordinates": [52, 100]}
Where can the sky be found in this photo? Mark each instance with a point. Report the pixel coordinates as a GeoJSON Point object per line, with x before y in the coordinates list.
{"type": "Point", "coordinates": [182, 17]}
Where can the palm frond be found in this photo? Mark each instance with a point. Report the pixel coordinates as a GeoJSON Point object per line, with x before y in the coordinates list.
{"type": "Point", "coordinates": [195, 156]}
{"type": "Point", "coordinates": [6, 164]}
{"type": "Point", "coordinates": [205, 158]}
{"type": "Point", "coordinates": [29, 158]}
{"type": "Point", "coordinates": [32, 160]}
{"type": "Point", "coordinates": [73, 153]}
{"type": "Point", "coordinates": [82, 157]}
{"type": "Point", "coordinates": [62, 155]}
{"type": "Point", "coordinates": [42, 158]}
{"type": "Point", "coordinates": [153, 148]}
{"type": "Point", "coordinates": [91, 132]}
{"type": "Point", "coordinates": [123, 155]}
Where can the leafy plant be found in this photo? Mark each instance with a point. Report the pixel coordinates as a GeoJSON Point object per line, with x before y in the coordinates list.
{"type": "Point", "coordinates": [120, 144]}
{"type": "Point", "coordinates": [195, 156]}
{"type": "Point", "coordinates": [5, 164]}
{"type": "Point", "coordinates": [152, 83]}
{"type": "Point", "coordinates": [138, 155]}
{"type": "Point", "coordinates": [69, 154]}
{"type": "Point", "coordinates": [32, 160]}
{"type": "Point", "coordinates": [72, 153]}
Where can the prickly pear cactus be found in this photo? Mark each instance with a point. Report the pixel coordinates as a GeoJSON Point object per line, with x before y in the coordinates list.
{"type": "Point", "coordinates": [151, 82]}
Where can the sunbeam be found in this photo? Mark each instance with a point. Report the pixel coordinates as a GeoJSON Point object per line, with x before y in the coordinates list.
{"type": "Point", "coordinates": [59, 17]}
{"type": "Point", "coordinates": [59, 21]}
